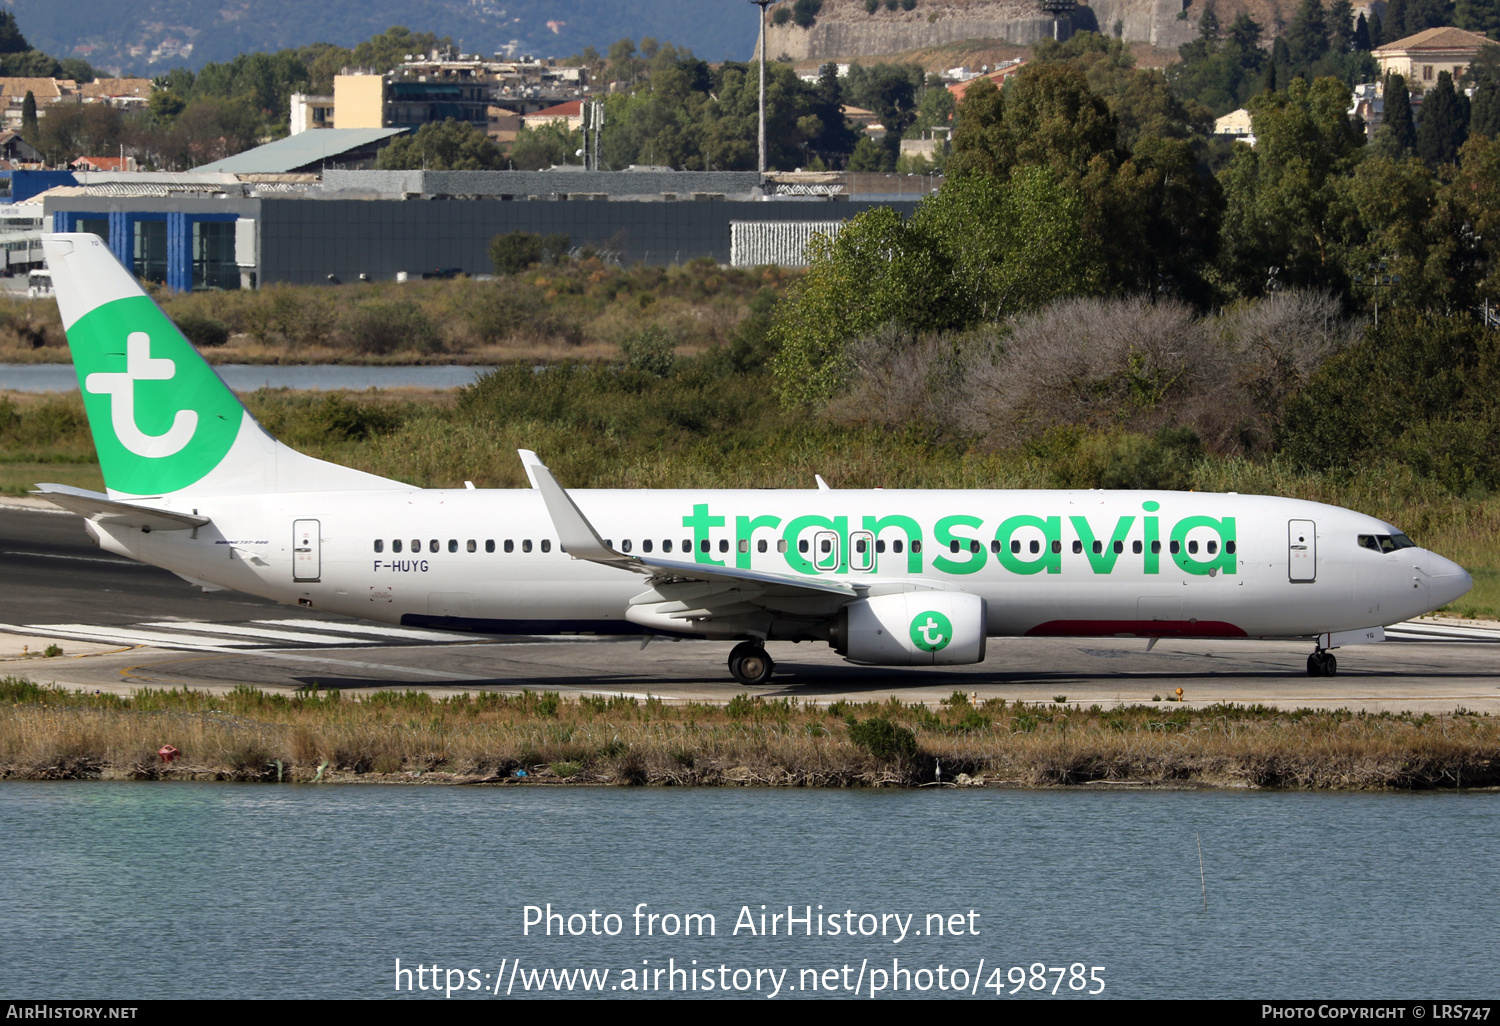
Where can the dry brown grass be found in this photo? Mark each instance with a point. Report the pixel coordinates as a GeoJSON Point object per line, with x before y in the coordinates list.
{"type": "Point", "coordinates": [489, 737]}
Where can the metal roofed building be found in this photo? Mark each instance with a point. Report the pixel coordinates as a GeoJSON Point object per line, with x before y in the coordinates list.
{"type": "Point", "coordinates": [220, 230]}
{"type": "Point", "coordinates": [309, 151]}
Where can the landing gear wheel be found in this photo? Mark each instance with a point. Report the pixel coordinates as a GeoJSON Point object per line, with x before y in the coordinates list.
{"type": "Point", "coordinates": [750, 665]}
{"type": "Point", "coordinates": [1322, 664]}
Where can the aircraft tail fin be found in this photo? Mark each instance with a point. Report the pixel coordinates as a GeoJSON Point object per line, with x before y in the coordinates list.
{"type": "Point", "coordinates": [162, 419]}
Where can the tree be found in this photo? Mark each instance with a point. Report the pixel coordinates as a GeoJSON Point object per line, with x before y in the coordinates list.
{"type": "Point", "coordinates": [1393, 25]}
{"type": "Point", "coordinates": [1398, 134]}
{"type": "Point", "coordinates": [1277, 225]}
{"type": "Point", "coordinates": [1484, 76]}
{"type": "Point", "coordinates": [390, 48]}
{"type": "Point", "coordinates": [1361, 40]}
{"type": "Point", "coordinates": [514, 252]}
{"type": "Point", "coordinates": [11, 40]}
{"type": "Point", "coordinates": [442, 146]}
{"type": "Point", "coordinates": [1341, 26]}
{"type": "Point", "coordinates": [1444, 125]}
{"type": "Point", "coordinates": [28, 117]}
{"type": "Point", "coordinates": [1307, 36]}
{"type": "Point", "coordinates": [1478, 16]}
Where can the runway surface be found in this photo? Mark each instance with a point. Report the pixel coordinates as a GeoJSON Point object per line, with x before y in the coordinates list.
{"type": "Point", "coordinates": [123, 625]}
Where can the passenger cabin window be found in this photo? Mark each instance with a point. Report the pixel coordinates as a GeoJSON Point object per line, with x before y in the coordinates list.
{"type": "Point", "coordinates": [916, 545]}
{"type": "Point", "coordinates": [395, 544]}
{"type": "Point", "coordinates": [761, 545]}
{"type": "Point", "coordinates": [510, 546]}
{"type": "Point", "coordinates": [1213, 547]}
{"type": "Point", "coordinates": [379, 545]}
{"type": "Point", "coordinates": [1077, 547]}
{"type": "Point", "coordinates": [705, 545]}
{"type": "Point", "coordinates": [897, 545]}
{"type": "Point", "coordinates": [1098, 547]}
{"type": "Point", "coordinates": [1135, 547]}
{"type": "Point", "coordinates": [416, 545]}
{"type": "Point", "coordinates": [1056, 546]}
{"type": "Point", "coordinates": [801, 545]}
{"type": "Point", "coordinates": [953, 546]}
{"type": "Point", "coordinates": [452, 544]}
{"type": "Point", "coordinates": [489, 545]}
{"type": "Point", "coordinates": [723, 545]}
{"type": "Point", "coordinates": [432, 546]}
{"type": "Point", "coordinates": [1228, 546]}
{"type": "Point", "coordinates": [625, 545]}
{"type": "Point", "coordinates": [646, 545]}
{"type": "Point", "coordinates": [471, 546]}
{"type": "Point", "coordinates": [1036, 546]}
{"type": "Point", "coordinates": [781, 545]}
{"type": "Point", "coordinates": [745, 545]}
{"type": "Point", "coordinates": [1176, 547]}
{"type": "Point", "coordinates": [526, 545]}
{"type": "Point", "coordinates": [546, 545]}
{"type": "Point", "coordinates": [666, 545]}
{"type": "Point", "coordinates": [687, 546]}
{"type": "Point", "coordinates": [1156, 546]}
{"type": "Point", "coordinates": [1193, 547]}
{"type": "Point", "coordinates": [995, 546]}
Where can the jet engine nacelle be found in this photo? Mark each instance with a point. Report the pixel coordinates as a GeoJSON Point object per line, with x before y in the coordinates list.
{"type": "Point", "coordinates": [913, 628]}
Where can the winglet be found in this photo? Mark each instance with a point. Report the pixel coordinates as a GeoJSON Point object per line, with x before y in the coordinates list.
{"type": "Point", "coordinates": [574, 533]}
{"type": "Point", "coordinates": [530, 460]}
{"type": "Point", "coordinates": [822, 485]}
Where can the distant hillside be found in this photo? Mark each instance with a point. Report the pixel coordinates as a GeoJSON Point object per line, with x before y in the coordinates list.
{"type": "Point", "coordinates": [149, 36]}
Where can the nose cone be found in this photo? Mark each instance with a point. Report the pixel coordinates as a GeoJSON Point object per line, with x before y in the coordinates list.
{"type": "Point", "coordinates": [1448, 581]}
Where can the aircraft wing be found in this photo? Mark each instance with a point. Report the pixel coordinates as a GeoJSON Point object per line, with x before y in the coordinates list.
{"type": "Point", "coordinates": [579, 539]}
{"type": "Point", "coordinates": [102, 509]}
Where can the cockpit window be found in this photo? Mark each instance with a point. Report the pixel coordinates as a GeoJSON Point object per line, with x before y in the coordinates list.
{"type": "Point", "coordinates": [1386, 542]}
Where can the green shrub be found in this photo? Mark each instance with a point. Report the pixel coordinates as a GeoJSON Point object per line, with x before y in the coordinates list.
{"type": "Point", "coordinates": [651, 352]}
{"type": "Point", "coordinates": [884, 739]}
{"type": "Point", "coordinates": [381, 328]}
{"type": "Point", "coordinates": [201, 330]}
{"type": "Point", "coordinates": [514, 252]}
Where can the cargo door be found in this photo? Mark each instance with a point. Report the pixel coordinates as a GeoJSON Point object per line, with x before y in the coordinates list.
{"type": "Point", "coordinates": [1302, 550]}
{"type": "Point", "coordinates": [307, 556]}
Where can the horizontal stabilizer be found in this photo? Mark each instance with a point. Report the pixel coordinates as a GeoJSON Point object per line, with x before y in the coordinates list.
{"type": "Point", "coordinates": [100, 508]}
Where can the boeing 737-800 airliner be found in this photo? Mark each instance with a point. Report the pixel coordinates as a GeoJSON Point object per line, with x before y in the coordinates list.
{"type": "Point", "coordinates": [886, 577]}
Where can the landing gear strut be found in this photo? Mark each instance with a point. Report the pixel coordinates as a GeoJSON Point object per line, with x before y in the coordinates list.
{"type": "Point", "coordinates": [1322, 664]}
{"type": "Point", "coordinates": [750, 665]}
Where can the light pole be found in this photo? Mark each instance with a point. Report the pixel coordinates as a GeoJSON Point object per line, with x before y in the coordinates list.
{"type": "Point", "coordinates": [762, 4]}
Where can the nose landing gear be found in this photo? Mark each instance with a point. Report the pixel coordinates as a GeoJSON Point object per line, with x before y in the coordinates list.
{"type": "Point", "coordinates": [1322, 664]}
{"type": "Point", "coordinates": [750, 665]}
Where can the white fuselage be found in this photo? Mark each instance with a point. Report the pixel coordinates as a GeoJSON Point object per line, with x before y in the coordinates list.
{"type": "Point", "coordinates": [1064, 562]}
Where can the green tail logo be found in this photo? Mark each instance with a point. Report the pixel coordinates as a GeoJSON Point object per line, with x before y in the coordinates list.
{"type": "Point", "coordinates": [161, 417]}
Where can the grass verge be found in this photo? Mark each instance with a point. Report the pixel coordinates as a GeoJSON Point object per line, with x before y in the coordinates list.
{"type": "Point", "coordinates": [534, 738]}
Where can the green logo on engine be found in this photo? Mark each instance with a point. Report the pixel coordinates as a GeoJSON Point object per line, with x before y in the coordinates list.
{"type": "Point", "coordinates": [931, 631]}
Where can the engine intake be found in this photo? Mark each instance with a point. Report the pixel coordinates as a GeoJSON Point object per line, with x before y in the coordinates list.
{"type": "Point", "coordinates": [914, 628]}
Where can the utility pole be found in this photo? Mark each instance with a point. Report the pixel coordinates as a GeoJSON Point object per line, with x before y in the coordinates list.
{"type": "Point", "coordinates": [762, 4]}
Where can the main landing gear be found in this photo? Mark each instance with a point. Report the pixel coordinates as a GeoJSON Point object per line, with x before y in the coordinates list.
{"type": "Point", "coordinates": [1322, 664]}
{"type": "Point", "coordinates": [750, 665]}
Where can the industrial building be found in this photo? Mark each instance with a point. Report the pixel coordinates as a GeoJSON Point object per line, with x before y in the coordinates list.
{"type": "Point", "coordinates": [224, 230]}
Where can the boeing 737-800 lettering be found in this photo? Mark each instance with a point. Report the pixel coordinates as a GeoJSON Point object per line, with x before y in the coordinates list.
{"type": "Point", "coordinates": [886, 577]}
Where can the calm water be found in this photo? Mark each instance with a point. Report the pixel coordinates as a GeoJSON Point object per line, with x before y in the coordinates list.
{"type": "Point", "coordinates": [177, 890]}
{"type": "Point", "coordinates": [59, 377]}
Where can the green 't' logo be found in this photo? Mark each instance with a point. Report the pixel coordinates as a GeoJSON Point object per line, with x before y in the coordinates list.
{"type": "Point", "coordinates": [161, 417]}
{"type": "Point", "coordinates": [931, 631]}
